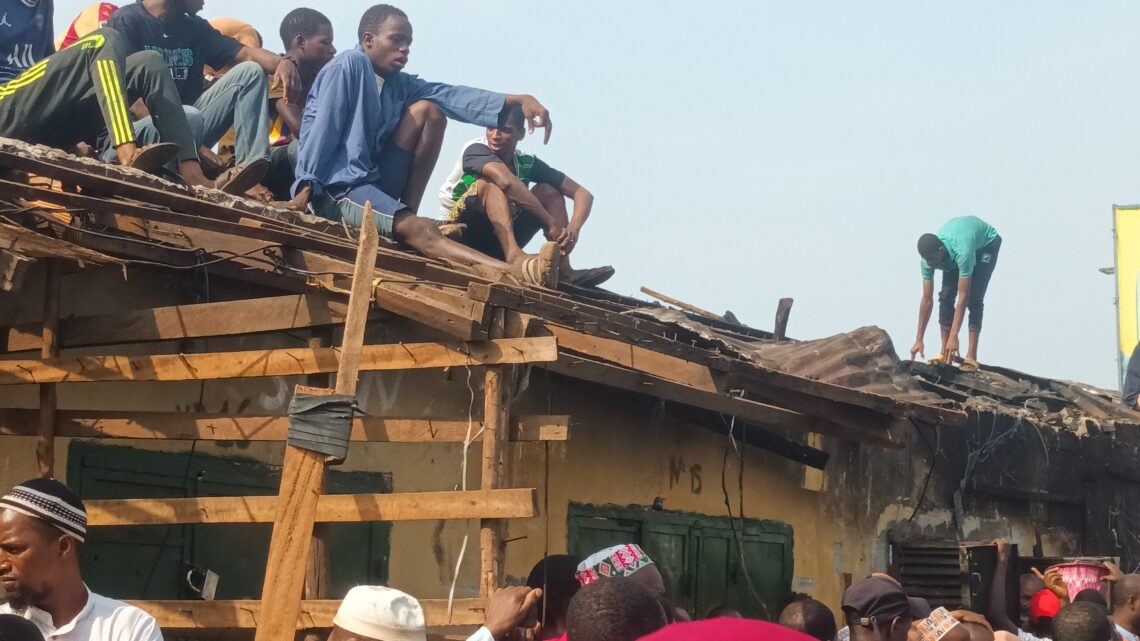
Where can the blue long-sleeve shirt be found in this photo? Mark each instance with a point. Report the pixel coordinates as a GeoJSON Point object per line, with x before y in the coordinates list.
{"type": "Point", "coordinates": [348, 120]}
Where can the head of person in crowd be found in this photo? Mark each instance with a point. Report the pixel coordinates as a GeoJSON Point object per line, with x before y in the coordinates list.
{"type": "Point", "coordinates": [877, 609]}
{"type": "Point", "coordinates": [1126, 602]}
{"type": "Point", "coordinates": [728, 612]}
{"type": "Point", "coordinates": [42, 524]}
{"type": "Point", "coordinates": [375, 612]}
{"type": "Point", "coordinates": [17, 628]}
{"type": "Point", "coordinates": [385, 35]}
{"type": "Point", "coordinates": [554, 575]}
{"type": "Point", "coordinates": [307, 35]}
{"type": "Point", "coordinates": [1043, 606]}
{"type": "Point", "coordinates": [727, 629]}
{"type": "Point", "coordinates": [977, 631]}
{"type": "Point", "coordinates": [931, 249]}
{"type": "Point", "coordinates": [626, 560]}
{"type": "Point", "coordinates": [1081, 621]}
{"type": "Point", "coordinates": [614, 609]}
{"type": "Point", "coordinates": [811, 618]}
{"type": "Point", "coordinates": [1028, 585]}
{"type": "Point", "coordinates": [1092, 595]}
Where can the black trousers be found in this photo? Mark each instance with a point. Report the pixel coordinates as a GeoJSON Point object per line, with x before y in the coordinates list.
{"type": "Point", "coordinates": [985, 261]}
{"type": "Point", "coordinates": [480, 235]}
{"type": "Point", "coordinates": [73, 95]}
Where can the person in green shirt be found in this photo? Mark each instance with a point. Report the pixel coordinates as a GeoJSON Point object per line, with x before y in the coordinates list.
{"type": "Point", "coordinates": [966, 250]}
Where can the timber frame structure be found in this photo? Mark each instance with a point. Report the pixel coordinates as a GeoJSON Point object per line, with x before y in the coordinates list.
{"type": "Point", "coordinates": [74, 213]}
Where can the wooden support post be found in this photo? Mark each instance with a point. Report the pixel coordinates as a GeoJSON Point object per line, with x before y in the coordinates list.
{"type": "Point", "coordinates": [496, 418]}
{"type": "Point", "coordinates": [49, 348]}
{"type": "Point", "coordinates": [783, 310]}
{"type": "Point", "coordinates": [317, 573]}
{"type": "Point", "coordinates": [302, 478]}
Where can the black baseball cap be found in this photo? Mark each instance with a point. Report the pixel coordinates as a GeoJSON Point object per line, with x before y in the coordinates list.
{"type": "Point", "coordinates": [878, 600]}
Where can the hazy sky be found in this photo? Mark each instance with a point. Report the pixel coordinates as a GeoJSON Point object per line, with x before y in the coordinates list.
{"type": "Point", "coordinates": [744, 151]}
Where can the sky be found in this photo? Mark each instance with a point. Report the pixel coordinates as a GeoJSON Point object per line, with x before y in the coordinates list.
{"type": "Point", "coordinates": [740, 152]}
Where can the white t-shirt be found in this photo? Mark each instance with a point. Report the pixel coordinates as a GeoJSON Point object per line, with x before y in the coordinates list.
{"type": "Point", "coordinates": [446, 191]}
{"type": "Point", "coordinates": [102, 619]}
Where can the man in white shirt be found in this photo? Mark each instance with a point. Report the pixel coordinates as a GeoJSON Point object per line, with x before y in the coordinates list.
{"type": "Point", "coordinates": [42, 524]}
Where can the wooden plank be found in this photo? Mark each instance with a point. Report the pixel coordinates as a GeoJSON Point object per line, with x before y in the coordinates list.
{"type": "Point", "coordinates": [30, 244]}
{"type": "Point", "coordinates": [496, 417]}
{"type": "Point", "coordinates": [274, 362]}
{"type": "Point", "coordinates": [231, 427]}
{"type": "Point", "coordinates": [783, 312]}
{"type": "Point", "coordinates": [746, 410]}
{"type": "Point", "coordinates": [13, 268]}
{"type": "Point", "coordinates": [49, 348]}
{"type": "Point", "coordinates": [200, 615]}
{"type": "Point", "coordinates": [331, 508]}
{"type": "Point", "coordinates": [177, 322]}
{"type": "Point", "coordinates": [683, 305]}
{"type": "Point", "coordinates": [303, 475]}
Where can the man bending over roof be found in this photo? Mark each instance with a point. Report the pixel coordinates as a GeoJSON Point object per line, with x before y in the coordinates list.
{"type": "Point", "coordinates": [67, 97]}
{"type": "Point", "coordinates": [966, 250]}
{"type": "Point", "coordinates": [489, 192]}
{"type": "Point", "coordinates": [372, 133]}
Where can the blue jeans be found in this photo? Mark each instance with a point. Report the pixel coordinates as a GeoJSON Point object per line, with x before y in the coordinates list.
{"type": "Point", "coordinates": [239, 99]}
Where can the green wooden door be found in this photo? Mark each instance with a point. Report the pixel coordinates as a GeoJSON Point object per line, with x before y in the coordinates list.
{"type": "Point", "coordinates": [151, 562]}
{"type": "Point", "coordinates": [697, 554]}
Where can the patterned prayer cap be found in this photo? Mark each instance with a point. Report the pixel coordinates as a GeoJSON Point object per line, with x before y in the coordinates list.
{"type": "Point", "coordinates": [616, 561]}
{"type": "Point", "coordinates": [50, 501]}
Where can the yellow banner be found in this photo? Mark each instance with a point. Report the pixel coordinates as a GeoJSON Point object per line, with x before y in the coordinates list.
{"type": "Point", "coordinates": [1126, 242]}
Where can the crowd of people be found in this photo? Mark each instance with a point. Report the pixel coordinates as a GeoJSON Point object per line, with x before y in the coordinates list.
{"type": "Point", "coordinates": [153, 86]}
{"type": "Point", "coordinates": [615, 594]}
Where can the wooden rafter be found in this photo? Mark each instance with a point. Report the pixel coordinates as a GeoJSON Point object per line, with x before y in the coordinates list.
{"type": "Point", "coordinates": [239, 427]}
{"type": "Point", "coordinates": [331, 508]}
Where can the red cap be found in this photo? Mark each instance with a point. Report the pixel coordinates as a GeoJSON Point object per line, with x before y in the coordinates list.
{"type": "Point", "coordinates": [726, 630]}
{"type": "Point", "coordinates": [1044, 605]}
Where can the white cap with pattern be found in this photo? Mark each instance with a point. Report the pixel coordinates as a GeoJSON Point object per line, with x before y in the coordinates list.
{"type": "Point", "coordinates": [383, 613]}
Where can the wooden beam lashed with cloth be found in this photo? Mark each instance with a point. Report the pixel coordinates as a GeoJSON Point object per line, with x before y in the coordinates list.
{"type": "Point", "coordinates": [303, 476]}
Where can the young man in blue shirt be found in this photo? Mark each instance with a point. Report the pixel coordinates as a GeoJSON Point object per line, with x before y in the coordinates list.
{"type": "Point", "coordinates": [966, 250]}
{"type": "Point", "coordinates": [372, 134]}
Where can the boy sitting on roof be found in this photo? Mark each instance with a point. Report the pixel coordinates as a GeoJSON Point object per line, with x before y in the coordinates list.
{"type": "Point", "coordinates": [372, 133]}
{"type": "Point", "coordinates": [966, 250]}
{"type": "Point", "coordinates": [65, 98]}
{"type": "Point", "coordinates": [238, 99]}
{"type": "Point", "coordinates": [308, 38]}
{"type": "Point", "coordinates": [489, 193]}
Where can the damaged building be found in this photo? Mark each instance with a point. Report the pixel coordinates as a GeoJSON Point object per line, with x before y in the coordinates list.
{"type": "Point", "coordinates": [153, 336]}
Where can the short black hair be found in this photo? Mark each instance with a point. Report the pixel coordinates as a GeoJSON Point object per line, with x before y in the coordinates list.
{"type": "Point", "coordinates": [17, 628]}
{"type": "Point", "coordinates": [511, 114]}
{"type": "Point", "coordinates": [618, 609]}
{"type": "Point", "coordinates": [1127, 587]}
{"type": "Point", "coordinates": [1082, 621]}
{"type": "Point", "coordinates": [928, 245]}
{"type": "Point", "coordinates": [302, 22]}
{"type": "Point", "coordinates": [1091, 595]}
{"type": "Point", "coordinates": [555, 576]}
{"type": "Point", "coordinates": [809, 617]}
{"type": "Point", "coordinates": [375, 16]}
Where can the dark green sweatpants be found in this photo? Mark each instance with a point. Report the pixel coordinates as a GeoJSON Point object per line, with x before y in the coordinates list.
{"type": "Point", "coordinates": [75, 94]}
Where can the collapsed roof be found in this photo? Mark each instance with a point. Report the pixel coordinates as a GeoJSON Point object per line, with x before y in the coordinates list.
{"type": "Point", "coordinates": [852, 386]}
